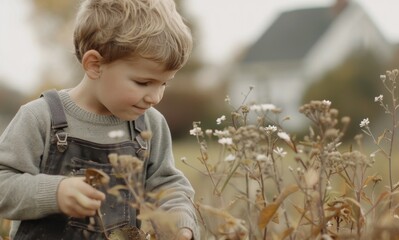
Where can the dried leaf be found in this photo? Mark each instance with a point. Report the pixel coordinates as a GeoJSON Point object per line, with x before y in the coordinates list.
{"type": "Point", "coordinates": [115, 190]}
{"type": "Point", "coordinates": [286, 233]}
{"type": "Point", "coordinates": [276, 219]}
{"type": "Point", "coordinates": [268, 212]}
{"type": "Point", "coordinates": [96, 177]}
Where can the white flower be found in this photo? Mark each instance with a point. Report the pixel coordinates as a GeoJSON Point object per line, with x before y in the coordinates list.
{"type": "Point", "coordinates": [261, 157]}
{"type": "Point", "coordinates": [225, 141]}
{"type": "Point", "coordinates": [383, 77]}
{"type": "Point", "coordinates": [262, 107]}
{"type": "Point", "coordinates": [219, 120]}
{"type": "Point", "coordinates": [364, 123]}
{"type": "Point", "coordinates": [284, 136]}
{"type": "Point", "coordinates": [267, 107]}
{"type": "Point", "coordinates": [196, 131]}
{"type": "Point", "coordinates": [271, 128]}
{"type": "Point", "coordinates": [116, 134]}
{"type": "Point", "coordinates": [230, 158]}
{"type": "Point", "coordinates": [280, 152]}
{"type": "Point", "coordinates": [326, 103]}
{"type": "Point", "coordinates": [379, 98]}
{"type": "Point", "coordinates": [219, 133]}
{"type": "Point", "coordinates": [208, 132]}
{"type": "Point", "coordinates": [255, 108]}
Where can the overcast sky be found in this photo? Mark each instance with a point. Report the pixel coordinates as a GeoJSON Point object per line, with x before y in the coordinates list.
{"type": "Point", "coordinates": [224, 25]}
{"type": "Point", "coordinates": [228, 24]}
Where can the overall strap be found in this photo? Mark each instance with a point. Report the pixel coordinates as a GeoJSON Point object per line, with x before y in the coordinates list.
{"type": "Point", "coordinates": [58, 118]}
{"type": "Point", "coordinates": [139, 126]}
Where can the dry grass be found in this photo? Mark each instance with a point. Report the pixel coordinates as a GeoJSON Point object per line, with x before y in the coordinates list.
{"type": "Point", "coordinates": [254, 181]}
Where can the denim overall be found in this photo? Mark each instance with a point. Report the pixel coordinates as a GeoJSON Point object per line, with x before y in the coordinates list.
{"type": "Point", "coordinates": [71, 156]}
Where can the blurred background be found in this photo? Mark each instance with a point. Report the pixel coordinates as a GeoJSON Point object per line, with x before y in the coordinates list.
{"type": "Point", "coordinates": [291, 51]}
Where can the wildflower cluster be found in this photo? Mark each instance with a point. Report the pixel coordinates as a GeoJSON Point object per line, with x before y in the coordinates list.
{"type": "Point", "coordinates": [327, 192]}
{"type": "Point", "coordinates": [252, 146]}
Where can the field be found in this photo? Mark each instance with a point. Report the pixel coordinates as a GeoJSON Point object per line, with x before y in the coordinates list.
{"type": "Point", "coordinates": [255, 181]}
{"type": "Point", "coordinates": [189, 150]}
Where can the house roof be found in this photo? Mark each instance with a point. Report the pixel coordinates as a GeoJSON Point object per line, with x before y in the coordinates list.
{"type": "Point", "coordinates": [291, 35]}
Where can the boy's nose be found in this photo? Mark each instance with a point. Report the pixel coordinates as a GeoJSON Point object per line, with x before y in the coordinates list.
{"type": "Point", "coordinates": [154, 97]}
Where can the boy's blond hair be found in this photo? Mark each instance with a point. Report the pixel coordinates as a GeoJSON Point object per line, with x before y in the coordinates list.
{"type": "Point", "coordinates": [119, 29]}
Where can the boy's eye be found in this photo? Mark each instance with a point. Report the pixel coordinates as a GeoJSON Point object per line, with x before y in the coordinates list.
{"type": "Point", "coordinates": [142, 83]}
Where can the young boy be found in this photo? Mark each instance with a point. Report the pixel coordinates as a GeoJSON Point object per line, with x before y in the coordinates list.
{"type": "Point", "coordinates": [130, 50]}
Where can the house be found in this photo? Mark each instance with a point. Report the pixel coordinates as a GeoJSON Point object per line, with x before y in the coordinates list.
{"type": "Point", "coordinates": [298, 47]}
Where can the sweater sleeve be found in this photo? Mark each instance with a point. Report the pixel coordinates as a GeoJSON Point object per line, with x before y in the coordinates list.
{"type": "Point", "coordinates": [25, 193]}
{"type": "Point", "coordinates": [162, 174]}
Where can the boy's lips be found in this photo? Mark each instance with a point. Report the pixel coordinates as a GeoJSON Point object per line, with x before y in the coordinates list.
{"type": "Point", "coordinates": [141, 109]}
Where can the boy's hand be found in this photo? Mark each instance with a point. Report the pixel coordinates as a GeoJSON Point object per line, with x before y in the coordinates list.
{"type": "Point", "coordinates": [78, 199]}
{"type": "Point", "coordinates": [184, 234]}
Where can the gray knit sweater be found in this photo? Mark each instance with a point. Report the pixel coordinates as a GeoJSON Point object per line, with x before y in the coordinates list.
{"type": "Point", "coordinates": [25, 193]}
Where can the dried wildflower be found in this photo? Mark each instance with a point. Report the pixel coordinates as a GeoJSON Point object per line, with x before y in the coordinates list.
{"type": "Point", "coordinates": [225, 141]}
{"type": "Point", "coordinates": [230, 158]}
{"type": "Point", "coordinates": [221, 134]}
{"type": "Point", "coordinates": [332, 133]}
{"type": "Point", "coordinates": [245, 109]}
{"type": "Point", "coordinates": [383, 78]}
{"type": "Point", "coordinates": [268, 107]}
{"type": "Point", "coordinates": [284, 136]}
{"type": "Point", "coordinates": [113, 159]}
{"type": "Point", "coordinates": [377, 179]}
{"type": "Point", "coordinates": [270, 129]}
{"type": "Point", "coordinates": [280, 152]}
{"type": "Point", "coordinates": [261, 157]}
{"type": "Point", "coordinates": [326, 103]}
{"type": "Point", "coordinates": [256, 108]}
{"type": "Point", "coordinates": [209, 132]}
{"type": "Point", "coordinates": [364, 123]}
{"type": "Point", "coordinates": [263, 107]}
{"type": "Point", "coordinates": [345, 120]}
{"type": "Point", "coordinates": [220, 120]}
{"type": "Point", "coordinates": [196, 131]}
{"type": "Point", "coordinates": [379, 98]}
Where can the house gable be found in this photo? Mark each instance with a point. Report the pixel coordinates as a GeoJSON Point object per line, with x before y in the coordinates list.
{"type": "Point", "coordinates": [291, 36]}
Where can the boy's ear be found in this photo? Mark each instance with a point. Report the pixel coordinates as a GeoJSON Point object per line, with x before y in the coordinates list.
{"type": "Point", "coordinates": [91, 63]}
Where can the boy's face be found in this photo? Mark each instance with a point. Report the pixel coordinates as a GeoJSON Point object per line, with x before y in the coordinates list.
{"type": "Point", "coordinates": [127, 88]}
